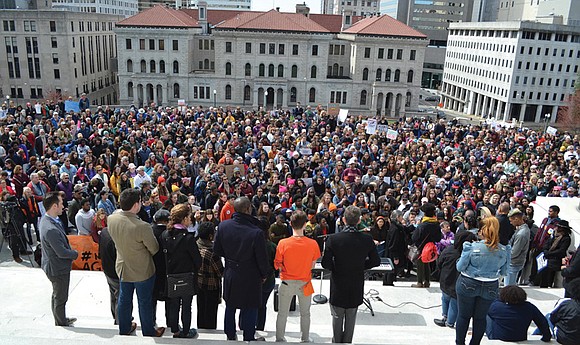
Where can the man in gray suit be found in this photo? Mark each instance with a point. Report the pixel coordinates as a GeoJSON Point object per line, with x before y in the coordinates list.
{"type": "Point", "coordinates": [57, 256]}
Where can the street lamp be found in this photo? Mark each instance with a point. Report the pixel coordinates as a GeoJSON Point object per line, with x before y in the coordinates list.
{"type": "Point", "coordinates": [265, 100]}
{"type": "Point", "coordinates": [214, 98]}
{"type": "Point", "coordinates": [546, 120]}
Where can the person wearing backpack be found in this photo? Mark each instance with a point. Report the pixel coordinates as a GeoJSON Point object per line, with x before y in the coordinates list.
{"type": "Point", "coordinates": [427, 233]}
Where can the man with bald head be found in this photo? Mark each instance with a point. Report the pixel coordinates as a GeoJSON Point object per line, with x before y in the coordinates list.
{"type": "Point", "coordinates": [241, 242]}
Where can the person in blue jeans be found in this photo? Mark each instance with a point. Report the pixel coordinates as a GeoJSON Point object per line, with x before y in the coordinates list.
{"type": "Point", "coordinates": [136, 246]}
{"type": "Point", "coordinates": [448, 278]}
{"type": "Point", "coordinates": [480, 266]}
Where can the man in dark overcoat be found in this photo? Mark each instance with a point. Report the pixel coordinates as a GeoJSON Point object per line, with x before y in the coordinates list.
{"type": "Point", "coordinates": [241, 242]}
{"type": "Point", "coordinates": [347, 255]}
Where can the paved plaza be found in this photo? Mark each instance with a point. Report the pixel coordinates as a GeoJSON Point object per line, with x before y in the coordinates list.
{"type": "Point", "coordinates": [25, 316]}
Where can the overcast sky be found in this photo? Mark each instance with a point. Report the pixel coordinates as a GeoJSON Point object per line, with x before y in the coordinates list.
{"type": "Point", "coordinates": [285, 5]}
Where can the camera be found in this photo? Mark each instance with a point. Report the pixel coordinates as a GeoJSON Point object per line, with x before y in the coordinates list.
{"type": "Point", "coordinates": [8, 205]}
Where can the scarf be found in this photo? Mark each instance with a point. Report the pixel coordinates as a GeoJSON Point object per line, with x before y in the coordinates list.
{"type": "Point", "coordinates": [429, 219]}
{"type": "Point", "coordinates": [557, 239]}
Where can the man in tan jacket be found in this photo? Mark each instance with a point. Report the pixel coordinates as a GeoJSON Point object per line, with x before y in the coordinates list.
{"type": "Point", "coordinates": [136, 246]}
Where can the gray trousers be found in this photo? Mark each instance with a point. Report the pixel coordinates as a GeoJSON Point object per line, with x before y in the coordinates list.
{"type": "Point", "coordinates": [114, 289]}
{"type": "Point", "coordinates": [343, 321]}
{"type": "Point", "coordinates": [287, 290]}
{"type": "Point", "coordinates": [60, 286]}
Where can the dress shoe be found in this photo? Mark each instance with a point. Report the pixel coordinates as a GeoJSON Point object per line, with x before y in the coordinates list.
{"type": "Point", "coordinates": [440, 322]}
{"type": "Point", "coordinates": [418, 285]}
{"type": "Point", "coordinates": [133, 328]}
{"type": "Point", "coordinates": [159, 332]}
{"type": "Point", "coordinates": [68, 322]}
{"type": "Point", "coordinates": [17, 259]}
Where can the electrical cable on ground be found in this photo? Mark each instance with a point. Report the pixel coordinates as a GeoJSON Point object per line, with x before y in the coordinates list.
{"type": "Point", "coordinates": [374, 294]}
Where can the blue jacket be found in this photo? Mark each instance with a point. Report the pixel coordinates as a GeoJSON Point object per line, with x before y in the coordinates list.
{"type": "Point", "coordinates": [477, 260]}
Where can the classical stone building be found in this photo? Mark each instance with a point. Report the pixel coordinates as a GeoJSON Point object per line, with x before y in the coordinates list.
{"type": "Point", "coordinates": [58, 51]}
{"type": "Point", "coordinates": [244, 58]}
{"type": "Point", "coordinates": [507, 70]}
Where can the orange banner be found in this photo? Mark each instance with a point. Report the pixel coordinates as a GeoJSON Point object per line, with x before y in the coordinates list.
{"type": "Point", "coordinates": [88, 259]}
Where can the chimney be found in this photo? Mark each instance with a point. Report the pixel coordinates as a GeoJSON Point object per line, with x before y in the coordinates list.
{"type": "Point", "coordinates": [303, 9]}
{"type": "Point", "coordinates": [277, 9]}
{"type": "Point", "coordinates": [202, 16]}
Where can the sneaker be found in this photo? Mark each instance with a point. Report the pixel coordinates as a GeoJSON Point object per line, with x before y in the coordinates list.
{"type": "Point", "coordinates": [449, 325]}
{"type": "Point", "coordinates": [192, 334]}
{"type": "Point", "coordinates": [440, 322]}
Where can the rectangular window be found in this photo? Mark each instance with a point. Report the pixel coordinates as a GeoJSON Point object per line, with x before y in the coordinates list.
{"type": "Point", "coordinates": [228, 47]}
{"type": "Point", "coordinates": [128, 44]}
{"type": "Point", "coordinates": [399, 54]}
{"type": "Point", "coordinates": [56, 74]}
{"type": "Point", "coordinates": [53, 42]}
{"type": "Point", "coordinates": [9, 25]}
{"type": "Point", "coordinates": [200, 45]}
{"type": "Point", "coordinates": [262, 48]}
{"type": "Point", "coordinates": [381, 53]}
{"type": "Point", "coordinates": [175, 45]}
{"type": "Point", "coordinates": [161, 44]}
{"type": "Point", "coordinates": [315, 50]}
{"type": "Point", "coordinates": [367, 53]}
{"type": "Point", "coordinates": [272, 48]}
{"type": "Point", "coordinates": [151, 44]}
{"type": "Point", "coordinates": [331, 50]}
{"type": "Point", "coordinates": [281, 48]}
{"type": "Point", "coordinates": [342, 49]}
{"type": "Point", "coordinates": [142, 44]}
{"type": "Point", "coordinates": [295, 49]}
{"type": "Point", "coordinates": [52, 26]}
{"type": "Point", "coordinates": [55, 58]}
{"type": "Point", "coordinates": [331, 96]}
{"type": "Point", "coordinates": [412, 55]}
{"type": "Point", "coordinates": [205, 44]}
{"type": "Point", "coordinates": [248, 47]}
{"type": "Point", "coordinates": [390, 54]}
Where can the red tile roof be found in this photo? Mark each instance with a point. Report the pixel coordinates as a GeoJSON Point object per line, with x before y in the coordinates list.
{"type": "Point", "coordinates": [331, 22]}
{"type": "Point", "coordinates": [160, 16]}
{"type": "Point", "coordinates": [274, 21]}
{"type": "Point", "coordinates": [383, 26]}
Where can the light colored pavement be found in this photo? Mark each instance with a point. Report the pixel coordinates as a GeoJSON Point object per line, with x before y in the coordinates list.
{"type": "Point", "coordinates": [25, 316]}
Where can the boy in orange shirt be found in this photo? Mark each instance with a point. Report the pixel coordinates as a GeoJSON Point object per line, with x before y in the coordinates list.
{"type": "Point", "coordinates": [295, 257]}
{"type": "Point", "coordinates": [228, 210]}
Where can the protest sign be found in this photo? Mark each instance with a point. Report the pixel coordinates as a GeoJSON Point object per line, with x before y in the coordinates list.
{"type": "Point", "coordinates": [88, 259]}
{"type": "Point", "coordinates": [371, 126]}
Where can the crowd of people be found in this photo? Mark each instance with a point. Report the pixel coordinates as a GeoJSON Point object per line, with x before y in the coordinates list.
{"type": "Point", "coordinates": [432, 183]}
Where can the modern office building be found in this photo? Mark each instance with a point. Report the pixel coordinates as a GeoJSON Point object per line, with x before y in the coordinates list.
{"type": "Point", "coordinates": [351, 7]}
{"type": "Point", "coordinates": [506, 70]}
{"type": "Point", "coordinates": [58, 52]}
{"type": "Point", "coordinates": [244, 58]}
{"type": "Point", "coordinates": [565, 12]}
{"type": "Point", "coordinates": [431, 18]}
{"type": "Point", "coordinates": [211, 4]}
{"type": "Point", "coordinates": [116, 7]}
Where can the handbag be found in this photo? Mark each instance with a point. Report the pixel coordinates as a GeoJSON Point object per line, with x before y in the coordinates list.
{"type": "Point", "coordinates": [414, 254]}
{"type": "Point", "coordinates": [179, 284]}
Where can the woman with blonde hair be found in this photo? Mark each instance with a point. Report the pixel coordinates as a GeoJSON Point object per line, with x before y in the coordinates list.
{"type": "Point", "coordinates": [481, 264]}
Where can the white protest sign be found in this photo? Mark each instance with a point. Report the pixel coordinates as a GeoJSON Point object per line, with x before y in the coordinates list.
{"type": "Point", "coordinates": [382, 128]}
{"type": "Point", "coordinates": [551, 130]}
{"type": "Point", "coordinates": [392, 134]}
{"type": "Point", "coordinates": [371, 126]}
{"type": "Point", "coordinates": [342, 114]}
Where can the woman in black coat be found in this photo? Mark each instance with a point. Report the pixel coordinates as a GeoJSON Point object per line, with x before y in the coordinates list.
{"type": "Point", "coordinates": [182, 255]}
{"type": "Point", "coordinates": [555, 250]}
{"type": "Point", "coordinates": [571, 272]}
{"type": "Point", "coordinates": [395, 246]}
{"type": "Point", "coordinates": [448, 277]}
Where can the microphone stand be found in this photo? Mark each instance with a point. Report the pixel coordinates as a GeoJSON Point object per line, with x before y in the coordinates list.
{"type": "Point", "coordinates": [320, 298]}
